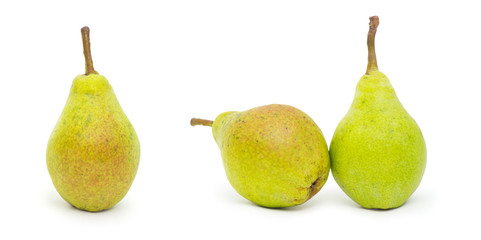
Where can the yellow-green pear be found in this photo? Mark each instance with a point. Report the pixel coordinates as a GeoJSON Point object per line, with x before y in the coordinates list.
{"type": "Point", "coordinates": [273, 155]}
{"type": "Point", "coordinates": [93, 152]}
{"type": "Point", "coordinates": [378, 153]}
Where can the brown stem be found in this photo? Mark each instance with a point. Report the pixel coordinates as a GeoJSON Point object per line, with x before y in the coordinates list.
{"type": "Point", "coordinates": [89, 65]}
{"type": "Point", "coordinates": [371, 60]}
{"type": "Point", "coordinates": [203, 122]}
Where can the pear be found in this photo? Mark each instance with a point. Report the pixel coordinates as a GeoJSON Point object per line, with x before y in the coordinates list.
{"type": "Point", "coordinates": [93, 152]}
{"type": "Point", "coordinates": [273, 155]}
{"type": "Point", "coordinates": [378, 153]}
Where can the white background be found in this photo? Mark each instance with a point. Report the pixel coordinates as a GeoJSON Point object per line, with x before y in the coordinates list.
{"type": "Point", "coordinates": [169, 61]}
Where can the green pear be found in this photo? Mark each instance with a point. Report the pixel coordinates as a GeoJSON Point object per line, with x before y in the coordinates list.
{"type": "Point", "coordinates": [93, 152]}
{"type": "Point", "coordinates": [273, 155]}
{"type": "Point", "coordinates": [378, 153]}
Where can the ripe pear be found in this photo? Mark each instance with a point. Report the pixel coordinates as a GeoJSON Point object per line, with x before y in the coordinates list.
{"type": "Point", "coordinates": [378, 153]}
{"type": "Point", "coordinates": [93, 152]}
{"type": "Point", "coordinates": [273, 155]}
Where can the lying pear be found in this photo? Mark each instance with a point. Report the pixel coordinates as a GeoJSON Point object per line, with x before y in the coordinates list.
{"type": "Point", "coordinates": [93, 152]}
{"type": "Point", "coordinates": [273, 155]}
{"type": "Point", "coordinates": [378, 153]}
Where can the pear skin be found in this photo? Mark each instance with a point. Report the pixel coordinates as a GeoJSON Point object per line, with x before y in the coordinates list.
{"type": "Point", "coordinates": [93, 152]}
{"type": "Point", "coordinates": [273, 155]}
{"type": "Point", "coordinates": [378, 153]}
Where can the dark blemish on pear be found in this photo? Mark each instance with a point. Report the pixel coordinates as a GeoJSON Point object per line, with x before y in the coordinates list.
{"type": "Point", "coordinates": [315, 187]}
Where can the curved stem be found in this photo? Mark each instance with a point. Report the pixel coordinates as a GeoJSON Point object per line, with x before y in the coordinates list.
{"type": "Point", "coordinates": [371, 60]}
{"type": "Point", "coordinates": [89, 65]}
{"type": "Point", "coordinates": [203, 122]}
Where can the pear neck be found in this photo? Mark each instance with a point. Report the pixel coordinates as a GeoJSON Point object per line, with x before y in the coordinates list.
{"type": "Point", "coordinates": [373, 87]}
{"type": "Point", "coordinates": [92, 84]}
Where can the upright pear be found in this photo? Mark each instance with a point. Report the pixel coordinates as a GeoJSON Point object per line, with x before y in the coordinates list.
{"type": "Point", "coordinates": [273, 155]}
{"type": "Point", "coordinates": [378, 153]}
{"type": "Point", "coordinates": [93, 152]}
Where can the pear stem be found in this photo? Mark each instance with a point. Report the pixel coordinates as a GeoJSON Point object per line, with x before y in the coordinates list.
{"type": "Point", "coordinates": [89, 65]}
{"type": "Point", "coordinates": [203, 122]}
{"type": "Point", "coordinates": [371, 60]}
